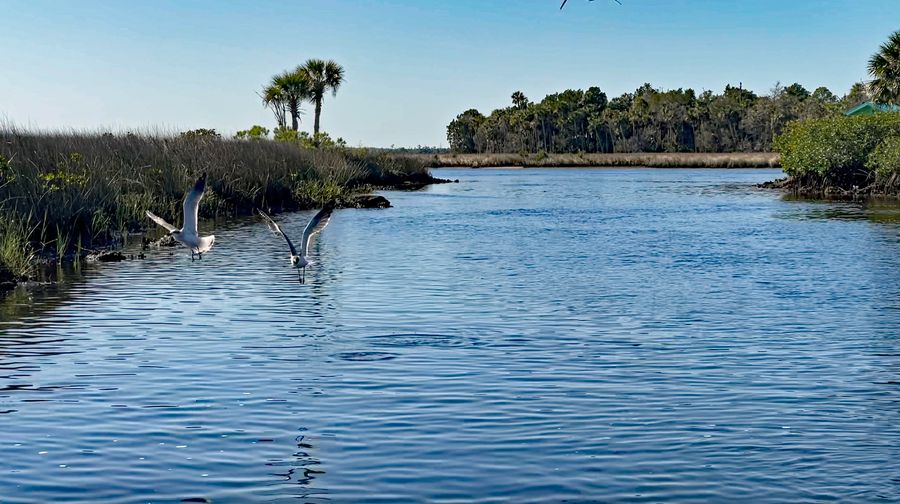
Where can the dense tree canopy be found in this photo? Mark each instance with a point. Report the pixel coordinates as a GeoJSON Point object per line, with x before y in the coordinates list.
{"type": "Point", "coordinates": [647, 120]}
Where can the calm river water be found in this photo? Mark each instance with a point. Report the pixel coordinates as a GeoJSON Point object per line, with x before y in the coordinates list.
{"type": "Point", "coordinates": [522, 336]}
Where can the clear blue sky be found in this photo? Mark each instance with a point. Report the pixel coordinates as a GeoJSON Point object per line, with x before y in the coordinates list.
{"type": "Point", "coordinates": [411, 65]}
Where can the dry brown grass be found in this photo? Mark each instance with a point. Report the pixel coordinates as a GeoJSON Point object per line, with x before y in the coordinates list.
{"type": "Point", "coordinates": [639, 159]}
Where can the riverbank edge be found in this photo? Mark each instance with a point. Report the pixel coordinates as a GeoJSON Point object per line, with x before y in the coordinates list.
{"type": "Point", "coordinates": [602, 160]}
{"type": "Point", "coordinates": [359, 197]}
{"type": "Point", "coordinates": [805, 188]}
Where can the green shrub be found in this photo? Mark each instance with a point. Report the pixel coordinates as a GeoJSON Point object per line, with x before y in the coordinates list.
{"type": "Point", "coordinates": [201, 134]}
{"type": "Point", "coordinates": [885, 159]}
{"type": "Point", "coordinates": [285, 134]}
{"type": "Point", "coordinates": [834, 149]}
{"type": "Point", "coordinates": [256, 132]}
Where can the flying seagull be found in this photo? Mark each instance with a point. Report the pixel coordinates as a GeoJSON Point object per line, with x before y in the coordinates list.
{"type": "Point", "coordinates": [188, 234]}
{"type": "Point", "coordinates": [318, 222]}
{"type": "Point", "coordinates": [564, 3]}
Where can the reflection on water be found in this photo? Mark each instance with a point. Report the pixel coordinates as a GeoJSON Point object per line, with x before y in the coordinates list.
{"type": "Point", "coordinates": [875, 210]}
{"type": "Point", "coordinates": [539, 335]}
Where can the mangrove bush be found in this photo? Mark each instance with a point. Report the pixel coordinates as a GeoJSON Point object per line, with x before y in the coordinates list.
{"type": "Point", "coordinates": [842, 151]}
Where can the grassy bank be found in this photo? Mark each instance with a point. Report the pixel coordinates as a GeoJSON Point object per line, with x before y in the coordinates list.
{"type": "Point", "coordinates": [651, 160]}
{"type": "Point", "coordinates": [63, 194]}
{"type": "Point", "coordinates": [842, 156]}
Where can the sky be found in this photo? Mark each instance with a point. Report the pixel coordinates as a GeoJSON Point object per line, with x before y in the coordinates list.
{"type": "Point", "coordinates": [411, 65]}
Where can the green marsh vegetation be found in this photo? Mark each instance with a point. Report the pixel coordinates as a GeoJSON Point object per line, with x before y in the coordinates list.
{"type": "Point", "coordinates": [63, 194]}
{"type": "Point", "coordinates": [67, 193]}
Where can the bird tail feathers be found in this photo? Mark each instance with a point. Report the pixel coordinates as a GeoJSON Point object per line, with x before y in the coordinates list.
{"type": "Point", "coordinates": [206, 243]}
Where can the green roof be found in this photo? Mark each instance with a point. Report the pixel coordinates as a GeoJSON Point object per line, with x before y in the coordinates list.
{"type": "Point", "coordinates": [871, 108]}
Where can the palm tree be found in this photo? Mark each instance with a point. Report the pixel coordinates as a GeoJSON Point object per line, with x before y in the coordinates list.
{"type": "Point", "coordinates": [322, 76]}
{"type": "Point", "coordinates": [274, 99]}
{"type": "Point", "coordinates": [884, 66]}
{"type": "Point", "coordinates": [519, 100]}
{"type": "Point", "coordinates": [285, 94]}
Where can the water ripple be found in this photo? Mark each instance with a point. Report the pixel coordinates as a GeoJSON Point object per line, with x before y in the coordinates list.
{"type": "Point", "coordinates": [523, 336]}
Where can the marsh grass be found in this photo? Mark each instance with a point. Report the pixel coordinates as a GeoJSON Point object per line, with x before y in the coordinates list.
{"type": "Point", "coordinates": [16, 252]}
{"type": "Point", "coordinates": [636, 159]}
{"type": "Point", "coordinates": [59, 189]}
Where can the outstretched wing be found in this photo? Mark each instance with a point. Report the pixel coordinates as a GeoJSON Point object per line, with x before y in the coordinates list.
{"type": "Point", "coordinates": [159, 220]}
{"type": "Point", "coordinates": [192, 205]}
{"type": "Point", "coordinates": [316, 224]}
{"type": "Point", "coordinates": [278, 230]}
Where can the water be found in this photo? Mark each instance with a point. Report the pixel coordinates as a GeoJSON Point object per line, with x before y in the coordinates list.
{"type": "Point", "coordinates": [522, 336]}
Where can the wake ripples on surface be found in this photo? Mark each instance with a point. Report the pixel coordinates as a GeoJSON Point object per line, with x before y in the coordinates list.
{"type": "Point", "coordinates": [577, 335]}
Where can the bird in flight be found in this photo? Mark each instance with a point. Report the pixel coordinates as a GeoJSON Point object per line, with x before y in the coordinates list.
{"type": "Point", "coordinates": [188, 235]}
{"type": "Point", "coordinates": [564, 3]}
{"type": "Point", "coordinates": [300, 260]}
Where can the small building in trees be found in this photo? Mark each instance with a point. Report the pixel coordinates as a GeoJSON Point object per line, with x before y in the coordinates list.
{"type": "Point", "coordinates": [870, 107]}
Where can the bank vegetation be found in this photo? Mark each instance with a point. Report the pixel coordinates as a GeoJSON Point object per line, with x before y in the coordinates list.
{"type": "Point", "coordinates": [64, 194]}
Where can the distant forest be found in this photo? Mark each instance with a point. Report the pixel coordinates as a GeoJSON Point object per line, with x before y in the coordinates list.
{"type": "Point", "coordinates": [648, 120]}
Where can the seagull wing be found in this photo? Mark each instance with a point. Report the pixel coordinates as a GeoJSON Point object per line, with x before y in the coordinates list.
{"type": "Point", "coordinates": [316, 224]}
{"type": "Point", "coordinates": [277, 228]}
{"type": "Point", "coordinates": [192, 205]}
{"type": "Point", "coordinates": [159, 220]}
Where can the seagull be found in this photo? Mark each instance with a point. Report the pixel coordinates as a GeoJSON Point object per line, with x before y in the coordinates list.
{"type": "Point", "coordinates": [318, 222]}
{"type": "Point", "coordinates": [188, 234]}
{"type": "Point", "coordinates": [564, 3]}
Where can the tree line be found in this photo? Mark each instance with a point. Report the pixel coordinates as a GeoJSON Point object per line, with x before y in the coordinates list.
{"type": "Point", "coordinates": [647, 120]}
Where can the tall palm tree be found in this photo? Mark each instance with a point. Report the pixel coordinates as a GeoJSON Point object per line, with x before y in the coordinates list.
{"type": "Point", "coordinates": [884, 66]}
{"type": "Point", "coordinates": [274, 99]}
{"type": "Point", "coordinates": [323, 76]}
{"type": "Point", "coordinates": [285, 94]}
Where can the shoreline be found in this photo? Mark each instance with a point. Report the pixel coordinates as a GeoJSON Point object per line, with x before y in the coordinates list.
{"type": "Point", "coordinates": [358, 198]}
{"type": "Point", "coordinates": [818, 189]}
{"type": "Point", "coordinates": [64, 196]}
{"type": "Point", "coordinates": [601, 160]}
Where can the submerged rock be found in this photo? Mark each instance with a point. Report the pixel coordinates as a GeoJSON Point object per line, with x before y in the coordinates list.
{"type": "Point", "coordinates": [418, 181]}
{"type": "Point", "coordinates": [781, 183]}
{"type": "Point", "coordinates": [367, 201]}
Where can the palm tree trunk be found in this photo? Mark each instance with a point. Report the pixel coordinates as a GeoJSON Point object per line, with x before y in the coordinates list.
{"type": "Point", "coordinates": [316, 124]}
{"type": "Point", "coordinates": [295, 115]}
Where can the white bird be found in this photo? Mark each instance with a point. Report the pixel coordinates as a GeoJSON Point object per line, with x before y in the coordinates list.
{"type": "Point", "coordinates": [188, 235]}
{"type": "Point", "coordinates": [301, 260]}
{"type": "Point", "coordinates": [564, 3]}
